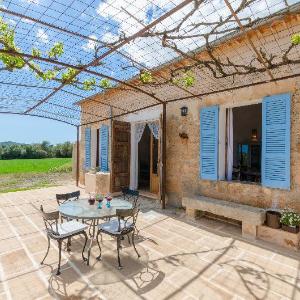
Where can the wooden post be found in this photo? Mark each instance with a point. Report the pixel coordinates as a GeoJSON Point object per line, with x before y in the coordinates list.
{"type": "Point", "coordinates": [77, 158]}
{"type": "Point", "coordinates": [110, 147]}
{"type": "Point", "coordinates": [164, 156]}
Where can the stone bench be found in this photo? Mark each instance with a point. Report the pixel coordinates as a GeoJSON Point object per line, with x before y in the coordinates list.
{"type": "Point", "coordinates": [250, 216]}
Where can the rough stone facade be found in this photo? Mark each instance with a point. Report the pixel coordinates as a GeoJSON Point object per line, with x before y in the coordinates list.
{"type": "Point", "coordinates": [183, 154]}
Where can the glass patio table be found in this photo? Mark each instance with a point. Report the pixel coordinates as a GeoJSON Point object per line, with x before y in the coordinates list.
{"type": "Point", "coordinates": [81, 209]}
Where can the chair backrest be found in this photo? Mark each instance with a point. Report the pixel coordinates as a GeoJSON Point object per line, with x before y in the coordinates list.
{"type": "Point", "coordinates": [131, 196]}
{"type": "Point", "coordinates": [62, 198]}
{"type": "Point", "coordinates": [129, 217]}
{"type": "Point", "coordinates": [51, 221]}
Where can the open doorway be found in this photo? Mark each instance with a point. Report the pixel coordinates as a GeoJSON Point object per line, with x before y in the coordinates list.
{"type": "Point", "coordinates": [144, 161]}
{"type": "Point", "coordinates": [245, 142]}
{"type": "Point", "coordinates": [148, 159]}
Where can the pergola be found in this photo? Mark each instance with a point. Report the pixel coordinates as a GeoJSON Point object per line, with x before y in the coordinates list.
{"type": "Point", "coordinates": [124, 45]}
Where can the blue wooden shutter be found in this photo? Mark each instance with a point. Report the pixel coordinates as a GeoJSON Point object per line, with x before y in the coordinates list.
{"type": "Point", "coordinates": [104, 143]}
{"type": "Point", "coordinates": [87, 162]}
{"type": "Point", "coordinates": [276, 141]}
{"type": "Point", "coordinates": [209, 137]}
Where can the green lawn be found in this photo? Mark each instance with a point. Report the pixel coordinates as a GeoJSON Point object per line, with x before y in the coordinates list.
{"type": "Point", "coordinates": [35, 165]}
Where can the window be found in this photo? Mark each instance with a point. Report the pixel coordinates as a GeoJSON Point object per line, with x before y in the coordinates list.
{"type": "Point", "coordinates": [243, 143]}
{"type": "Point", "coordinates": [247, 143]}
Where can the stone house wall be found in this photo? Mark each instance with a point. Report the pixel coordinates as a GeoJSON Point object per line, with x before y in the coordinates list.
{"type": "Point", "coordinates": [183, 154]}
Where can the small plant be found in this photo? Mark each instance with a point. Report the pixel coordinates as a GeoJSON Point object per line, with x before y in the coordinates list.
{"type": "Point", "coordinates": [295, 39]}
{"type": "Point", "coordinates": [146, 77]}
{"type": "Point", "coordinates": [105, 83]}
{"type": "Point", "coordinates": [69, 76]}
{"type": "Point", "coordinates": [187, 79]}
{"type": "Point", "coordinates": [89, 84]}
{"type": "Point", "coordinates": [290, 218]}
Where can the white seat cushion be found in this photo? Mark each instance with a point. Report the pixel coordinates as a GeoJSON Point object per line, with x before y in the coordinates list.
{"type": "Point", "coordinates": [113, 226]}
{"type": "Point", "coordinates": [68, 228]}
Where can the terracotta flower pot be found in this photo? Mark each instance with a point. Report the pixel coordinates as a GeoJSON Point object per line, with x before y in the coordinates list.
{"type": "Point", "coordinates": [292, 229]}
{"type": "Point", "coordinates": [273, 219]}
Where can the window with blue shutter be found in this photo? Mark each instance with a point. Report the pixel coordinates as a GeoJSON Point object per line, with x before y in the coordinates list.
{"type": "Point", "coordinates": [276, 141]}
{"type": "Point", "coordinates": [87, 162]}
{"type": "Point", "coordinates": [104, 153]}
{"type": "Point", "coordinates": [209, 132]}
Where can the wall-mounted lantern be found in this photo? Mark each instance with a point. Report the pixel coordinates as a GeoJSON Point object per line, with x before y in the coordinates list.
{"type": "Point", "coordinates": [184, 111]}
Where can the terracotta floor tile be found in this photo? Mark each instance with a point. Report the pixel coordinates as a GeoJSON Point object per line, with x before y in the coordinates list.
{"type": "Point", "coordinates": [28, 286]}
{"type": "Point", "coordinates": [15, 262]}
{"type": "Point", "coordinates": [180, 259]}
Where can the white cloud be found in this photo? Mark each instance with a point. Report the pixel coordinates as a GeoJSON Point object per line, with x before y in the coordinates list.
{"type": "Point", "coordinates": [142, 50]}
{"type": "Point", "coordinates": [90, 45]}
{"type": "Point", "coordinates": [42, 36]}
{"type": "Point", "coordinates": [32, 1]}
{"type": "Point", "coordinates": [149, 51]}
{"type": "Point", "coordinates": [27, 21]}
{"type": "Point", "coordinates": [108, 37]}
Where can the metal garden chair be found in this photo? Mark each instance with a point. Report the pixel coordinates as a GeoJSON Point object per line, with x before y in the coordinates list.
{"type": "Point", "coordinates": [62, 198]}
{"type": "Point", "coordinates": [131, 195]}
{"type": "Point", "coordinates": [60, 231]}
{"type": "Point", "coordinates": [123, 225]}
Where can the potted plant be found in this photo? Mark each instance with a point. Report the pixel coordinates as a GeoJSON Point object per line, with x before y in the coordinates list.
{"type": "Point", "coordinates": [290, 221]}
{"type": "Point", "coordinates": [273, 218]}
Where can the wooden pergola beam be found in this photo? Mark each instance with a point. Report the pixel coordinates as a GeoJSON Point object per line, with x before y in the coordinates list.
{"type": "Point", "coordinates": [199, 96]}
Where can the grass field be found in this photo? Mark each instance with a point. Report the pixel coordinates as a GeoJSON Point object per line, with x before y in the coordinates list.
{"type": "Point", "coordinates": [26, 174]}
{"type": "Point", "coordinates": [34, 165]}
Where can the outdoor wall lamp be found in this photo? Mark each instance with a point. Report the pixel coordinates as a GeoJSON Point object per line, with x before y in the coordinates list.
{"type": "Point", "coordinates": [184, 111]}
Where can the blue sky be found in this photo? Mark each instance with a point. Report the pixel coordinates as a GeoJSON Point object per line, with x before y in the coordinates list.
{"type": "Point", "coordinates": [24, 129]}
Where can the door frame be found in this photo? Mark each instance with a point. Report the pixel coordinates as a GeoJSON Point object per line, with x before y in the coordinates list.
{"type": "Point", "coordinates": [113, 141]}
{"type": "Point", "coordinates": [159, 154]}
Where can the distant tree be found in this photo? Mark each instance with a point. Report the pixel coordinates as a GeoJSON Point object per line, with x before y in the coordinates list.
{"type": "Point", "coordinates": [43, 150]}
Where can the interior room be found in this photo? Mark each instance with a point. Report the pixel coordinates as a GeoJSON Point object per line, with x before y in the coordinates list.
{"type": "Point", "coordinates": [144, 160]}
{"type": "Point", "coordinates": [246, 129]}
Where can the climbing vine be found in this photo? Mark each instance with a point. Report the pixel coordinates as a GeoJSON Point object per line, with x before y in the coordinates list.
{"type": "Point", "coordinates": [63, 75]}
{"type": "Point", "coordinates": [183, 76]}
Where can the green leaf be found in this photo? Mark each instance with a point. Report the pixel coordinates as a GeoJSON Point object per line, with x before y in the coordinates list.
{"type": "Point", "coordinates": [69, 76]}
{"type": "Point", "coordinates": [36, 52]}
{"type": "Point", "coordinates": [89, 84]}
{"type": "Point", "coordinates": [187, 79]}
{"type": "Point", "coordinates": [57, 50]}
{"type": "Point", "coordinates": [105, 83]}
{"type": "Point", "coordinates": [146, 77]}
{"type": "Point", "coordinates": [295, 39]}
{"type": "Point", "coordinates": [47, 75]}
{"type": "Point", "coordinates": [12, 62]}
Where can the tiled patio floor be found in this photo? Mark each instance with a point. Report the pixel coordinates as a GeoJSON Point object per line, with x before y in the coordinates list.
{"type": "Point", "coordinates": [180, 259]}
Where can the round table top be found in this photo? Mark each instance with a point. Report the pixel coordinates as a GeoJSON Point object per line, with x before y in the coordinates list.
{"type": "Point", "coordinates": [81, 209]}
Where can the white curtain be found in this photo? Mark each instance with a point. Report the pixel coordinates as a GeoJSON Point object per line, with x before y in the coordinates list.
{"type": "Point", "coordinates": [137, 130]}
{"type": "Point", "coordinates": [154, 127]}
{"type": "Point", "coordinates": [229, 129]}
